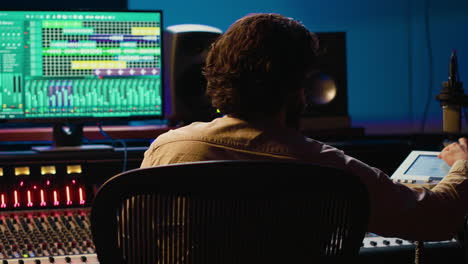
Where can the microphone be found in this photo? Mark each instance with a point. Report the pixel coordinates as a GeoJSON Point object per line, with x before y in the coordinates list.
{"type": "Point", "coordinates": [452, 98]}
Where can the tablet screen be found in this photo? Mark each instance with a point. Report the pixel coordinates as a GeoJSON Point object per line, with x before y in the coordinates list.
{"type": "Point", "coordinates": [428, 165]}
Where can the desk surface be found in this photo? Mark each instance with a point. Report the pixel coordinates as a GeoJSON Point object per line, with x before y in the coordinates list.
{"type": "Point", "coordinates": [90, 132]}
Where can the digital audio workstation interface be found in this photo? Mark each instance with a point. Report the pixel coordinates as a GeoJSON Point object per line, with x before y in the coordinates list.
{"type": "Point", "coordinates": [80, 64]}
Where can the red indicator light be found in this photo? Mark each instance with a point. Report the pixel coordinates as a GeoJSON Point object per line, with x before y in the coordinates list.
{"type": "Point", "coordinates": [15, 196]}
{"type": "Point", "coordinates": [82, 200]}
{"type": "Point", "coordinates": [29, 204]}
{"type": "Point", "coordinates": [47, 182]}
{"type": "Point", "coordinates": [56, 201]}
{"type": "Point", "coordinates": [21, 183]}
{"type": "Point", "coordinates": [67, 190]}
{"type": "Point", "coordinates": [43, 202]}
{"type": "Point", "coordinates": [34, 187]}
{"type": "Point", "coordinates": [3, 204]}
{"type": "Point", "coordinates": [73, 181]}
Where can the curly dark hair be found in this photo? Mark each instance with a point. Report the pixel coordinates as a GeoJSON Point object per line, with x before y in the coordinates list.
{"type": "Point", "coordinates": [257, 62]}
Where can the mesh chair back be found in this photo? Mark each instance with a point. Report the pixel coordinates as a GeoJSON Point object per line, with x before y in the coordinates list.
{"type": "Point", "coordinates": [230, 212]}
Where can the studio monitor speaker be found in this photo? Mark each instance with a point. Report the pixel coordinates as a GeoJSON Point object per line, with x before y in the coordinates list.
{"type": "Point", "coordinates": [185, 50]}
{"type": "Point", "coordinates": [326, 90]}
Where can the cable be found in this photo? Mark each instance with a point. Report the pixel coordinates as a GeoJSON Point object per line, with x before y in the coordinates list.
{"type": "Point", "coordinates": [465, 114]}
{"type": "Point", "coordinates": [122, 142]}
{"type": "Point", "coordinates": [429, 55]}
{"type": "Point", "coordinates": [410, 65]}
{"type": "Point", "coordinates": [418, 254]}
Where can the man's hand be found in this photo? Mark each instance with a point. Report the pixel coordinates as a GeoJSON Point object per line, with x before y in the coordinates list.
{"type": "Point", "coordinates": [455, 151]}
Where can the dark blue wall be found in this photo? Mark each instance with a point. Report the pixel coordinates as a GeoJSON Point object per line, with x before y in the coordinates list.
{"type": "Point", "coordinates": [388, 49]}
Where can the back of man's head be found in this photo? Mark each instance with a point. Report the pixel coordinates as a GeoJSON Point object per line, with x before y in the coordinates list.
{"type": "Point", "coordinates": [257, 63]}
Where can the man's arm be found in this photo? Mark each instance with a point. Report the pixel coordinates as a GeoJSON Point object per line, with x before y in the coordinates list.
{"type": "Point", "coordinates": [418, 213]}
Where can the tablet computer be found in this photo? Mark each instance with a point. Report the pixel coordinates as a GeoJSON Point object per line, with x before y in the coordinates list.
{"type": "Point", "coordinates": [421, 167]}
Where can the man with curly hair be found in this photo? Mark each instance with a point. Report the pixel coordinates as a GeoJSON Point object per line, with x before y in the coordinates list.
{"type": "Point", "coordinates": [256, 73]}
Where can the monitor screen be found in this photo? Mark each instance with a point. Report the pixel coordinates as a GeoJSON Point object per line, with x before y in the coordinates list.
{"type": "Point", "coordinates": [67, 65]}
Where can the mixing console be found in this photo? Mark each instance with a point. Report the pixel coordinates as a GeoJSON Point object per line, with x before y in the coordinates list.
{"type": "Point", "coordinates": [58, 236]}
{"type": "Point", "coordinates": [45, 202]}
{"type": "Point", "coordinates": [45, 212]}
{"type": "Point", "coordinates": [372, 241]}
{"type": "Point", "coordinates": [389, 250]}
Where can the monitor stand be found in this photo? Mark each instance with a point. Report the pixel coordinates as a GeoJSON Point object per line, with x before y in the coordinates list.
{"type": "Point", "coordinates": [69, 138]}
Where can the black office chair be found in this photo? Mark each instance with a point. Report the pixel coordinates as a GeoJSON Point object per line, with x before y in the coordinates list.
{"type": "Point", "coordinates": [222, 212]}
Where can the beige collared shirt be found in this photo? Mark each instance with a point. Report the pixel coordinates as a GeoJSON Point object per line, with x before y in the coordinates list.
{"type": "Point", "coordinates": [415, 213]}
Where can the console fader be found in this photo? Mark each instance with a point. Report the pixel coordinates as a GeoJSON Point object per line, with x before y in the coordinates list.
{"type": "Point", "coordinates": [59, 236]}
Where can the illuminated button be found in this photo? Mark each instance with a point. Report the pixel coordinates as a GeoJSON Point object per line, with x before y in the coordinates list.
{"type": "Point", "coordinates": [73, 169]}
{"type": "Point", "coordinates": [1, 172]}
{"type": "Point", "coordinates": [22, 171]}
{"type": "Point", "coordinates": [48, 170]}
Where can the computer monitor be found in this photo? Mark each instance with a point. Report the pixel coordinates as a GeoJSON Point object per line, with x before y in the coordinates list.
{"type": "Point", "coordinates": [71, 67]}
